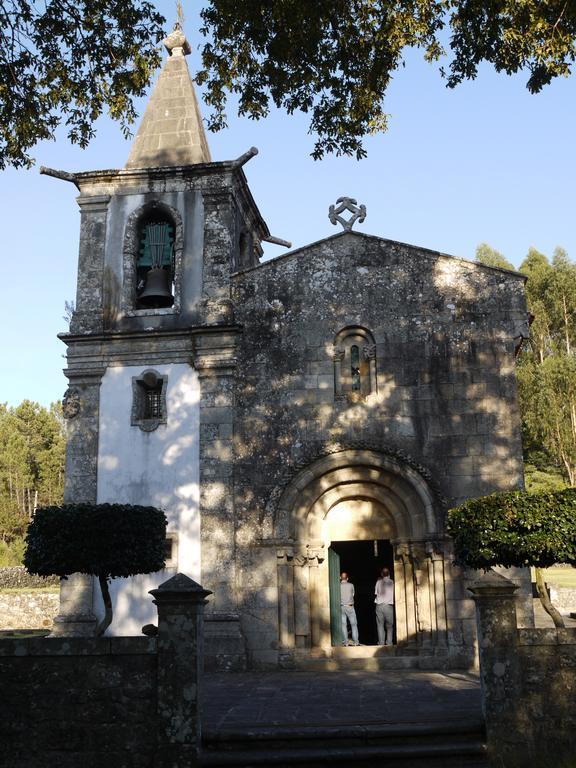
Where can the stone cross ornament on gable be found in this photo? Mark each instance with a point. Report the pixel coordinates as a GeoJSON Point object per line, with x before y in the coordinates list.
{"type": "Point", "coordinates": [347, 204]}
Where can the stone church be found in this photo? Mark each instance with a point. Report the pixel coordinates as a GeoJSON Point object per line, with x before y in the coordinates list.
{"type": "Point", "coordinates": [316, 412]}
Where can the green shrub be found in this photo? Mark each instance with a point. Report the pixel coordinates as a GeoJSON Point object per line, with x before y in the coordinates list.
{"type": "Point", "coordinates": [103, 540]}
{"type": "Point", "coordinates": [515, 529]}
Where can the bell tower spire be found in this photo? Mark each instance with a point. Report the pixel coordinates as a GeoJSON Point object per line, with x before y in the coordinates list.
{"type": "Point", "coordinates": [171, 132]}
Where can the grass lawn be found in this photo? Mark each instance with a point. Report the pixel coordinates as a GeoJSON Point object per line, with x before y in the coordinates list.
{"type": "Point", "coordinates": [560, 575]}
{"type": "Point", "coordinates": [19, 634]}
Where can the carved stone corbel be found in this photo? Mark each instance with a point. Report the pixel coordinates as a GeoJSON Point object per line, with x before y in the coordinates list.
{"type": "Point", "coordinates": [71, 403]}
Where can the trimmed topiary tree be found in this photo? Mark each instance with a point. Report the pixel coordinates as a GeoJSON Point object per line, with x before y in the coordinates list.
{"type": "Point", "coordinates": [515, 528]}
{"type": "Point", "coordinates": [103, 540]}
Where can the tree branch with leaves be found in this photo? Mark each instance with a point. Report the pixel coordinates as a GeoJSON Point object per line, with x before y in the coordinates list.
{"type": "Point", "coordinates": [335, 59]}
{"type": "Point", "coordinates": [65, 62]}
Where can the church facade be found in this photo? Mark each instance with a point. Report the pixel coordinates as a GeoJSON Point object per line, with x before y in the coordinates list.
{"type": "Point", "coordinates": [295, 417]}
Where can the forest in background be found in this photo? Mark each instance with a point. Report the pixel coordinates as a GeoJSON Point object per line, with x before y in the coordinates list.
{"type": "Point", "coordinates": [546, 367]}
{"type": "Point", "coordinates": [32, 439]}
{"type": "Point", "coordinates": [32, 445]}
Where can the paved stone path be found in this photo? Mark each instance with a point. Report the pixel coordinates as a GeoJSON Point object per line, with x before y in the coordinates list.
{"type": "Point", "coordinates": [316, 699]}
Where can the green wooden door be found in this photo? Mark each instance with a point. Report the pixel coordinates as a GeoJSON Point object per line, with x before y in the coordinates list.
{"type": "Point", "coordinates": [335, 609]}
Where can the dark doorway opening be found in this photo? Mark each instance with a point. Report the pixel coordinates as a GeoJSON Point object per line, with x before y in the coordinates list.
{"type": "Point", "coordinates": [362, 561]}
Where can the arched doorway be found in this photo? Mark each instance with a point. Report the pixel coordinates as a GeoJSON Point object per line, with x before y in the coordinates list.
{"type": "Point", "coordinates": [359, 496]}
{"type": "Point", "coordinates": [358, 533]}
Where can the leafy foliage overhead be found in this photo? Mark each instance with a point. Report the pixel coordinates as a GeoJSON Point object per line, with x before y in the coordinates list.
{"type": "Point", "coordinates": [336, 58]}
{"type": "Point", "coordinates": [105, 540]}
{"type": "Point", "coordinates": [515, 529]}
{"type": "Point", "coordinates": [63, 61]}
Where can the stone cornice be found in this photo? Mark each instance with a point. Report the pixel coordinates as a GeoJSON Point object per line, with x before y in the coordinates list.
{"type": "Point", "coordinates": [199, 330]}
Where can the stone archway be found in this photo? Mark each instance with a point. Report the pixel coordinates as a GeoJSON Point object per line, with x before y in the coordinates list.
{"type": "Point", "coordinates": [399, 505]}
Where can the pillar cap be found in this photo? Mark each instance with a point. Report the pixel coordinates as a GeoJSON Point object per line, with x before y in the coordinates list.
{"type": "Point", "coordinates": [179, 588]}
{"type": "Point", "coordinates": [492, 584]}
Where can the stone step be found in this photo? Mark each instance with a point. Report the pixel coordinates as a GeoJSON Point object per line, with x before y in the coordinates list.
{"type": "Point", "coordinates": [440, 756]}
{"type": "Point", "coordinates": [373, 659]}
{"type": "Point", "coordinates": [459, 744]}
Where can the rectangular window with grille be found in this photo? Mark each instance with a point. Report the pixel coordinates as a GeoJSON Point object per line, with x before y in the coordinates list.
{"type": "Point", "coordinates": [153, 403]}
{"type": "Point", "coordinates": [149, 400]}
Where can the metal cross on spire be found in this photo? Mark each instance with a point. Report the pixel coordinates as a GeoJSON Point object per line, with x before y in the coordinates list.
{"type": "Point", "coordinates": [347, 204]}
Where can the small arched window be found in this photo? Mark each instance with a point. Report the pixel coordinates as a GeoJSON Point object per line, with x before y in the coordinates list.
{"type": "Point", "coordinates": [155, 263]}
{"type": "Point", "coordinates": [355, 368]}
{"type": "Point", "coordinates": [354, 363]}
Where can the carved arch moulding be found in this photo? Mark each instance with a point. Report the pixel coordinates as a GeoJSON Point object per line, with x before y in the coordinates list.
{"type": "Point", "coordinates": [307, 465]}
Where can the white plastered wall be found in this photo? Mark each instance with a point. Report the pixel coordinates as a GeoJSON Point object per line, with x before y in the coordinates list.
{"type": "Point", "coordinates": [159, 468]}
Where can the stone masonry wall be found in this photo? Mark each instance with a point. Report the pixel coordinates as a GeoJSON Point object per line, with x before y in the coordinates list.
{"type": "Point", "coordinates": [120, 702]}
{"type": "Point", "coordinates": [544, 713]}
{"type": "Point", "coordinates": [444, 331]}
{"type": "Point", "coordinates": [528, 683]}
{"type": "Point", "coordinates": [70, 702]}
{"type": "Point", "coordinates": [28, 610]}
{"type": "Point", "coordinates": [18, 576]}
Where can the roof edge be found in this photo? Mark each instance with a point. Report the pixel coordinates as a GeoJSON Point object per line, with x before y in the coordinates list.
{"type": "Point", "coordinates": [427, 251]}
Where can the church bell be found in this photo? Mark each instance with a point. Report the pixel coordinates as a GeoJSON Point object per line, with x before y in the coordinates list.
{"type": "Point", "coordinates": [157, 291]}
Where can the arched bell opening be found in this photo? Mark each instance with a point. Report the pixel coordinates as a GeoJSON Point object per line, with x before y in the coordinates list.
{"type": "Point", "coordinates": [152, 259]}
{"type": "Point", "coordinates": [155, 261]}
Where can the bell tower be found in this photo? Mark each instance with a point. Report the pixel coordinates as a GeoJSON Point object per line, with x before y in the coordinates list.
{"type": "Point", "coordinates": [151, 347]}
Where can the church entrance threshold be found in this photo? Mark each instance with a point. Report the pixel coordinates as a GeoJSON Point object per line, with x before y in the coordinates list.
{"type": "Point", "coordinates": [362, 561]}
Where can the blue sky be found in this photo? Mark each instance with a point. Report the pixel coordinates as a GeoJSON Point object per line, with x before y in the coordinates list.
{"type": "Point", "coordinates": [486, 162]}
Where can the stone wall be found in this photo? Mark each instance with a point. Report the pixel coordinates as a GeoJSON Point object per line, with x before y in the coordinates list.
{"type": "Point", "coordinates": [564, 598]}
{"type": "Point", "coordinates": [122, 702]}
{"type": "Point", "coordinates": [75, 701]}
{"type": "Point", "coordinates": [33, 609]}
{"type": "Point", "coordinates": [18, 577]}
{"type": "Point", "coordinates": [528, 683]}
{"type": "Point", "coordinates": [443, 362]}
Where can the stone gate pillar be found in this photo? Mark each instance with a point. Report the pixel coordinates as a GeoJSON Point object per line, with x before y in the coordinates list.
{"type": "Point", "coordinates": [180, 603]}
{"type": "Point", "coordinates": [499, 664]}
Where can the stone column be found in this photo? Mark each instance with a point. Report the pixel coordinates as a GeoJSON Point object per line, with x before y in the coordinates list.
{"type": "Point", "coordinates": [285, 568]}
{"type": "Point", "coordinates": [215, 361]}
{"type": "Point", "coordinates": [436, 556]}
{"type": "Point", "coordinates": [88, 313]}
{"type": "Point", "coordinates": [301, 601]}
{"type": "Point", "coordinates": [499, 664]}
{"type": "Point", "coordinates": [424, 605]}
{"type": "Point", "coordinates": [338, 356]}
{"type": "Point", "coordinates": [400, 597]}
{"type": "Point", "coordinates": [319, 594]}
{"type": "Point", "coordinates": [180, 603]}
{"type": "Point", "coordinates": [81, 410]}
{"type": "Point", "coordinates": [370, 357]}
{"type": "Point", "coordinates": [410, 596]}
{"type": "Point", "coordinates": [316, 624]}
{"type": "Point", "coordinates": [219, 249]}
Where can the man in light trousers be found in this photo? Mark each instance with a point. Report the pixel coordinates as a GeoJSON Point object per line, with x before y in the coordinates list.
{"type": "Point", "coordinates": [384, 591]}
{"type": "Point", "coordinates": [348, 612]}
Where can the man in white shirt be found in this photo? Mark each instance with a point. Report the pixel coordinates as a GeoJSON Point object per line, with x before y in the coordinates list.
{"type": "Point", "coordinates": [384, 591]}
{"type": "Point", "coordinates": [348, 612]}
